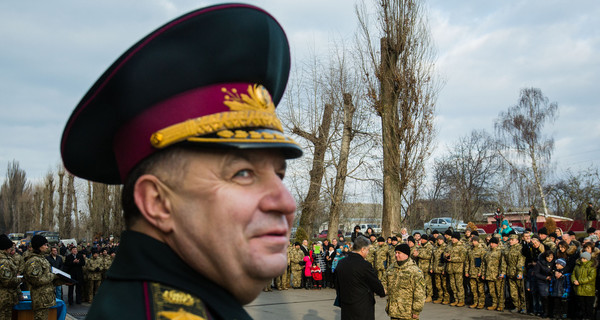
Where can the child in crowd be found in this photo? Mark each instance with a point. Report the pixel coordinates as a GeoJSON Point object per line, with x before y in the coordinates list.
{"type": "Point", "coordinates": [543, 275]}
{"type": "Point", "coordinates": [560, 289]}
{"type": "Point", "coordinates": [307, 274]}
{"type": "Point", "coordinates": [584, 282]}
{"type": "Point", "coordinates": [317, 275]}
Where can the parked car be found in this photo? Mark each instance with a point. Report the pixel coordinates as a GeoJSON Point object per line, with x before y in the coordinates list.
{"type": "Point", "coordinates": [518, 230]}
{"type": "Point", "coordinates": [364, 226]}
{"type": "Point", "coordinates": [481, 232]}
{"type": "Point", "coordinates": [444, 223]}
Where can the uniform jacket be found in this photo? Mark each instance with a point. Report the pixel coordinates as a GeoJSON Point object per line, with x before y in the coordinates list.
{"type": "Point", "coordinates": [356, 282]}
{"type": "Point", "coordinates": [148, 280]}
{"type": "Point", "coordinates": [457, 254]}
{"type": "Point", "coordinates": [493, 264]}
{"type": "Point", "coordinates": [405, 286]}
{"type": "Point", "coordinates": [9, 283]}
{"type": "Point", "coordinates": [41, 280]}
{"type": "Point", "coordinates": [93, 268]}
{"type": "Point", "coordinates": [438, 262]}
{"type": "Point", "coordinates": [474, 263]}
{"type": "Point", "coordinates": [515, 262]}
{"type": "Point", "coordinates": [296, 256]}
{"type": "Point", "coordinates": [585, 274]}
{"type": "Point", "coordinates": [424, 257]}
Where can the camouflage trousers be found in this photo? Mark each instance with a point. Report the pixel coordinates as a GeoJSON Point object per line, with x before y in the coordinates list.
{"type": "Point", "coordinates": [517, 294]}
{"type": "Point", "coordinates": [6, 312]}
{"type": "Point", "coordinates": [442, 288]}
{"type": "Point", "coordinates": [458, 290]}
{"type": "Point", "coordinates": [296, 278]}
{"type": "Point", "coordinates": [91, 289]}
{"type": "Point", "coordinates": [280, 283]}
{"type": "Point", "coordinates": [40, 314]}
{"type": "Point", "coordinates": [496, 287]}
{"type": "Point", "coordinates": [478, 290]}
{"type": "Point", "coordinates": [288, 277]}
{"type": "Point", "coordinates": [380, 274]}
{"type": "Point", "coordinates": [428, 282]}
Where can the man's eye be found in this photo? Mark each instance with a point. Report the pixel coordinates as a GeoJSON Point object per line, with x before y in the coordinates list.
{"type": "Point", "coordinates": [242, 174]}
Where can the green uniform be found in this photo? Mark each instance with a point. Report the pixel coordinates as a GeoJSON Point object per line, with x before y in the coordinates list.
{"type": "Point", "coordinates": [455, 268]}
{"type": "Point", "coordinates": [424, 263]}
{"type": "Point", "coordinates": [295, 259]}
{"type": "Point", "coordinates": [515, 266]}
{"type": "Point", "coordinates": [438, 266]}
{"type": "Point", "coordinates": [405, 289]}
{"type": "Point", "coordinates": [493, 267]}
{"type": "Point", "coordinates": [473, 269]}
{"type": "Point", "coordinates": [380, 260]}
{"type": "Point", "coordinates": [94, 267]}
{"type": "Point", "coordinates": [280, 281]}
{"type": "Point", "coordinates": [9, 286]}
{"type": "Point", "coordinates": [41, 281]}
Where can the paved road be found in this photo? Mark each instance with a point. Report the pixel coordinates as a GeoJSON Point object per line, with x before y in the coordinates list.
{"type": "Point", "coordinates": [301, 304]}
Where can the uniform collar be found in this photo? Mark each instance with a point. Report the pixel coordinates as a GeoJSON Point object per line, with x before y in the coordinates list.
{"type": "Point", "coordinates": [144, 258]}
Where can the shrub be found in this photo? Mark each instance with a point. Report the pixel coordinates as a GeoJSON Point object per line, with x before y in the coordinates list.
{"type": "Point", "coordinates": [550, 225]}
{"type": "Point", "coordinates": [471, 226]}
{"type": "Point", "coordinates": [301, 235]}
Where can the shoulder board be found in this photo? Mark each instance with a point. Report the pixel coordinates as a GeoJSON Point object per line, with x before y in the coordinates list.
{"type": "Point", "coordinates": [170, 303]}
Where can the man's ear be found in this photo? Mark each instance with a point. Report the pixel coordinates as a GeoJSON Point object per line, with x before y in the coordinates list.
{"type": "Point", "coordinates": [152, 198]}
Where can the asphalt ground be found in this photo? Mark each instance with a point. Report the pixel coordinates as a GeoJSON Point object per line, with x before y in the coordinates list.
{"type": "Point", "coordinates": [302, 304]}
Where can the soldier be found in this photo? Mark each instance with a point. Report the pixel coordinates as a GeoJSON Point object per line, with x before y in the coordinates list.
{"type": "Point", "coordinates": [515, 267]}
{"type": "Point", "coordinates": [545, 240]}
{"type": "Point", "coordinates": [40, 278]}
{"type": "Point", "coordinates": [391, 252]}
{"type": "Point", "coordinates": [297, 257]}
{"type": "Point", "coordinates": [473, 268]}
{"type": "Point", "coordinates": [437, 268]}
{"type": "Point", "coordinates": [280, 280]}
{"type": "Point", "coordinates": [412, 245]}
{"type": "Point", "coordinates": [9, 283]}
{"type": "Point", "coordinates": [405, 286]}
{"type": "Point", "coordinates": [455, 256]}
{"type": "Point", "coordinates": [93, 269]}
{"type": "Point", "coordinates": [423, 255]}
{"type": "Point", "coordinates": [493, 272]}
{"type": "Point", "coordinates": [373, 251]}
{"type": "Point", "coordinates": [380, 258]}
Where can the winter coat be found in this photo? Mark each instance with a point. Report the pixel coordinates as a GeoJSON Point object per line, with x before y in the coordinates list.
{"type": "Point", "coordinates": [316, 273]}
{"type": "Point", "coordinates": [585, 274]}
{"type": "Point", "coordinates": [560, 287]}
{"type": "Point", "coordinates": [307, 266]}
{"type": "Point", "coordinates": [542, 270]}
{"type": "Point", "coordinates": [570, 255]}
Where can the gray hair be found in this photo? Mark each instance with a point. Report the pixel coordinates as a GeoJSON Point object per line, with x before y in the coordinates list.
{"type": "Point", "coordinates": [360, 242]}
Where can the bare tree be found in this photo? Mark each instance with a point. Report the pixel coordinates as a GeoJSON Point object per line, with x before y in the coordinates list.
{"type": "Point", "coordinates": [12, 190]}
{"type": "Point", "coordinates": [48, 207]}
{"type": "Point", "coordinates": [402, 87]}
{"type": "Point", "coordinates": [520, 136]}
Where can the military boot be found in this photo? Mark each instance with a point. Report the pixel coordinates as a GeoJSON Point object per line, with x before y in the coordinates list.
{"type": "Point", "coordinates": [473, 306]}
{"type": "Point", "coordinates": [492, 307]}
{"type": "Point", "coordinates": [445, 302]}
{"type": "Point", "coordinates": [460, 304]}
{"type": "Point", "coordinates": [437, 301]}
{"type": "Point", "coordinates": [428, 299]}
{"type": "Point", "coordinates": [481, 306]}
{"type": "Point", "coordinates": [501, 309]}
{"type": "Point", "coordinates": [454, 303]}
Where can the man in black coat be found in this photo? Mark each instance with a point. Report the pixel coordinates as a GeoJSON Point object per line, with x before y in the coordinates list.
{"type": "Point", "coordinates": [56, 261]}
{"type": "Point", "coordinates": [356, 282]}
{"type": "Point", "coordinates": [74, 263]}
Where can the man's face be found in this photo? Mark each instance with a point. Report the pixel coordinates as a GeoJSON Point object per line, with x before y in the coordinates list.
{"type": "Point", "coordinates": [44, 248]}
{"type": "Point", "coordinates": [417, 237]}
{"type": "Point", "coordinates": [240, 195]}
{"type": "Point", "coordinates": [334, 242]}
{"type": "Point", "coordinates": [305, 243]}
{"type": "Point", "coordinates": [401, 256]}
{"type": "Point", "coordinates": [527, 236]}
{"type": "Point", "coordinates": [513, 241]}
{"type": "Point", "coordinates": [74, 250]}
{"type": "Point", "coordinates": [54, 251]}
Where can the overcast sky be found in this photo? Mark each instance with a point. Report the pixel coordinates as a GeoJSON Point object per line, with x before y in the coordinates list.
{"type": "Point", "coordinates": [51, 52]}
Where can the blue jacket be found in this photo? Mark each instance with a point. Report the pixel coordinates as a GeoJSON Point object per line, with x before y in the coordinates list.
{"type": "Point", "coordinates": [561, 287]}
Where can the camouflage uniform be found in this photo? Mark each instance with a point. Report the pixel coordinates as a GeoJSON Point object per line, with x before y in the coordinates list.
{"type": "Point", "coordinates": [93, 269]}
{"type": "Point", "coordinates": [550, 244]}
{"type": "Point", "coordinates": [424, 263]}
{"type": "Point", "coordinates": [296, 257]}
{"type": "Point", "coordinates": [380, 260]}
{"type": "Point", "coordinates": [405, 289]}
{"type": "Point", "coordinates": [473, 268]}
{"type": "Point", "coordinates": [19, 262]}
{"type": "Point", "coordinates": [494, 266]}
{"type": "Point", "coordinates": [9, 286]}
{"type": "Point", "coordinates": [438, 267]}
{"type": "Point", "coordinates": [41, 281]}
{"type": "Point", "coordinates": [372, 253]}
{"type": "Point", "coordinates": [455, 268]}
{"type": "Point", "coordinates": [280, 281]}
{"type": "Point", "coordinates": [515, 264]}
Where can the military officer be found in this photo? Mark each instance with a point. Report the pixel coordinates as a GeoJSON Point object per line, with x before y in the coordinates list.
{"type": "Point", "coordinates": [9, 283]}
{"type": "Point", "coordinates": [455, 256]}
{"type": "Point", "coordinates": [423, 256]}
{"type": "Point", "coordinates": [494, 269]}
{"type": "Point", "coordinates": [405, 286]}
{"type": "Point", "coordinates": [185, 119]}
{"type": "Point", "coordinates": [380, 258]}
{"type": "Point", "coordinates": [515, 267]}
{"type": "Point", "coordinates": [93, 268]}
{"type": "Point", "coordinates": [40, 278]}
{"type": "Point", "coordinates": [438, 269]}
{"type": "Point", "coordinates": [297, 257]}
{"type": "Point", "coordinates": [473, 268]}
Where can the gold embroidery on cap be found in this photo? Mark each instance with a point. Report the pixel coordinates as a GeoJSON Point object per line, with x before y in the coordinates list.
{"type": "Point", "coordinates": [178, 297]}
{"type": "Point", "coordinates": [252, 110]}
{"type": "Point", "coordinates": [179, 315]}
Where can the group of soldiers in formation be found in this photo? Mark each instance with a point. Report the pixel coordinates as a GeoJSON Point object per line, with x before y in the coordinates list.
{"type": "Point", "coordinates": [29, 268]}
{"type": "Point", "coordinates": [547, 275]}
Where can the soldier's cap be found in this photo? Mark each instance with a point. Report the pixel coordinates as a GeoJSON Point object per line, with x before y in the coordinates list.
{"type": "Point", "coordinates": [424, 237]}
{"type": "Point", "coordinates": [514, 236]}
{"type": "Point", "coordinates": [37, 241]}
{"type": "Point", "coordinates": [571, 233]}
{"type": "Point", "coordinates": [404, 248]}
{"type": "Point", "coordinates": [380, 239]}
{"type": "Point", "coordinates": [591, 230]}
{"type": "Point", "coordinates": [94, 250]}
{"type": "Point", "coordinates": [543, 230]}
{"type": "Point", "coordinates": [475, 233]}
{"type": "Point", "coordinates": [448, 232]}
{"type": "Point", "coordinates": [411, 239]}
{"type": "Point", "coordinates": [209, 79]}
{"type": "Point", "coordinates": [494, 240]}
{"type": "Point", "coordinates": [456, 235]}
{"type": "Point", "coordinates": [553, 235]}
{"type": "Point", "coordinates": [394, 238]}
{"type": "Point", "coordinates": [5, 242]}
{"type": "Point", "coordinates": [441, 237]}
{"type": "Point", "coordinates": [435, 232]}
{"type": "Point", "coordinates": [475, 238]}
{"type": "Point", "coordinates": [296, 243]}
{"type": "Point", "coordinates": [535, 236]}
{"type": "Point", "coordinates": [497, 236]}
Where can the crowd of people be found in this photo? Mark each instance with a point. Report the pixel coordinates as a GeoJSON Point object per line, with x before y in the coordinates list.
{"type": "Point", "coordinates": [547, 274]}
{"type": "Point", "coordinates": [28, 268]}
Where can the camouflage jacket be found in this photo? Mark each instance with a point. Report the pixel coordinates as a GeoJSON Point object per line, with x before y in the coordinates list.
{"type": "Point", "coordinates": [93, 268]}
{"type": "Point", "coordinates": [381, 256]}
{"type": "Point", "coordinates": [549, 244]}
{"type": "Point", "coordinates": [296, 256]}
{"type": "Point", "coordinates": [41, 280]}
{"type": "Point", "coordinates": [391, 255]}
{"type": "Point", "coordinates": [474, 263]}
{"type": "Point", "coordinates": [19, 262]}
{"type": "Point", "coordinates": [493, 264]}
{"type": "Point", "coordinates": [515, 261]}
{"type": "Point", "coordinates": [405, 287]}
{"type": "Point", "coordinates": [372, 253]}
{"type": "Point", "coordinates": [438, 263]}
{"type": "Point", "coordinates": [424, 257]}
{"type": "Point", "coordinates": [457, 253]}
{"type": "Point", "coordinates": [9, 283]}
